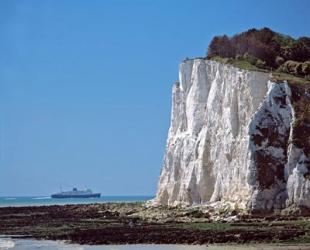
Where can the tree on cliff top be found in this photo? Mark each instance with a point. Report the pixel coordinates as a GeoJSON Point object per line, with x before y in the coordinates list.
{"type": "Point", "coordinates": [263, 48]}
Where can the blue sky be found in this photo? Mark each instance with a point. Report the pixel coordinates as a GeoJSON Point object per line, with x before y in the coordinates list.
{"type": "Point", "coordinates": [85, 85]}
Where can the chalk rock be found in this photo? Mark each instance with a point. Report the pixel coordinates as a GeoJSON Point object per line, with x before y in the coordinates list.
{"type": "Point", "coordinates": [230, 141]}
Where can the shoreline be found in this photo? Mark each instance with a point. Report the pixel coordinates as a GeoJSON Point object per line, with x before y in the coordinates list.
{"type": "Point", "coordinates": [136, 223]}
{"type": "Point", "coordinates": [8, 243]}
{"type": "Point", "coordinates": [11, 243]}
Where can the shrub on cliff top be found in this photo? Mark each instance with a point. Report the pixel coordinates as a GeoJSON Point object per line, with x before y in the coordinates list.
{"type": "Point", "coordinates": [265, 49]}
{"type": "Point", "coordinates": [296, 68]}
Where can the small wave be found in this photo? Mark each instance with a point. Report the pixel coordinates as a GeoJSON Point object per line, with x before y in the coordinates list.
{"type": "Point", "coordinates": [6, 244]}
{"type": "Point", "coordinates": [9, 198]}
{"type": "Point", "coordinates": [41, 198]}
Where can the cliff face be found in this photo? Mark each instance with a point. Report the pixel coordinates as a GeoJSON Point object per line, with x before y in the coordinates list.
{"type": "Point", "coordinates": [231, 139]}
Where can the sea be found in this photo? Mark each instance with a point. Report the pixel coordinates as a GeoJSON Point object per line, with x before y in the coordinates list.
{"type": "Point", "coordinates": [21, 201]}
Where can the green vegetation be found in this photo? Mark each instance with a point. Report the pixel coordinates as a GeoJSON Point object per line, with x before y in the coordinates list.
{"type": "Point", "coordinates": [265, 50]}
{"type": "Point", "coordinates": [281, 77]}
{"type": "Point", "coordinates": [239, 63]}
{"type": "Point", "coordinates": [276, 76]}
{"type": "Point", "coordinates": [217, 226]}
{"type": "Point", "coordinates": [224, 226]}
{"type": "Point", "coordinates": [296, 68]}
{"type": "Point", "coordinates": [283, 231]}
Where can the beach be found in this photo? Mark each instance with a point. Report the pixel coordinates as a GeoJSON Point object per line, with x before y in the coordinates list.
{"type": "Point", "coordinates": [138, 223]}
{"type": "Point", "coordinates": [28, 244]}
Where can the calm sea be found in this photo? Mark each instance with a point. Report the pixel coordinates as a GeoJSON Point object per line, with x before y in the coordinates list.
{"type": "Point", "coordinates": [46, 200]}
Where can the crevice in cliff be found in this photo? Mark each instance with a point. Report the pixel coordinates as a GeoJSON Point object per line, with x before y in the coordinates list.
{"type": "Point", "coordinates": [301, 126]}
{"type": "Point", "coordinates": [298, 166]}
{"type": "Point", "coordinates": [270, 131]}
{"type": "Point", "coordinates": [207, 179]}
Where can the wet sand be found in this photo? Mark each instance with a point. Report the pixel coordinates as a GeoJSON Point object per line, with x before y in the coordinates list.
{"type": "Point", "coordinates": [27, 244]}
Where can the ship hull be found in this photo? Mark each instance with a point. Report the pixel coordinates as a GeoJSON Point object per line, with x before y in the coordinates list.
{"type": "Point", "coordinates": [61, 196]}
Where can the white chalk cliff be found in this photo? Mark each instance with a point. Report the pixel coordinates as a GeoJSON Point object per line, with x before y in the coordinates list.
{"type": "Point", "coordinates": [230, 139]}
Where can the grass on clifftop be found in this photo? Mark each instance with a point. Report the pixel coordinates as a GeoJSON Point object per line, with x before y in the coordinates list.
{"type": "Point", "coordinates": [281, 77]}
{"type": "Point", "coordinates": [276, 76]}
{"type": "Point", "coordinates": [239, 63]}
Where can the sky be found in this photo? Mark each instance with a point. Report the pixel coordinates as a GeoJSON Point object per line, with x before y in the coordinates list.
{"type": "Point", "coordinates": [85, 86]}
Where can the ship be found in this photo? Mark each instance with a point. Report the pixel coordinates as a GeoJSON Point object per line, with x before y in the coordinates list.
{"type": "Point", "coordinates": [75, 193]}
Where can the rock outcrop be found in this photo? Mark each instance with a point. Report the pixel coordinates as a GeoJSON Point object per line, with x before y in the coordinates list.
{"type": "Point", "coordinates": [231, 139]}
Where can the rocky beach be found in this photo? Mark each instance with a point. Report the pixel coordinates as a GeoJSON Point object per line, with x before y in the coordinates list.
{"type": "Point", "coordinates": [139, 223]}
